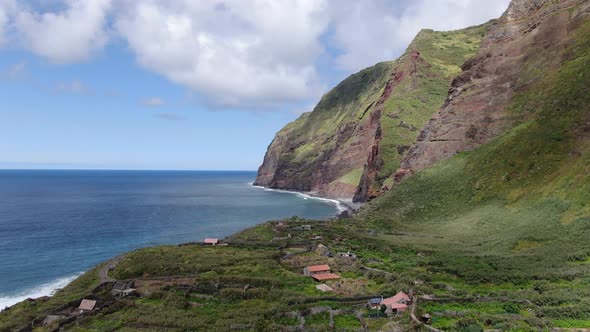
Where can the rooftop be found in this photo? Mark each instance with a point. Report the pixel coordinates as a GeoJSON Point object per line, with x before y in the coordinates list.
{"type": "Point", "coordinates": [87, 305]}
{"type": "Point", "coordinates": [318, 268]}
{"type": "Point", "coordinates": [325, 276]}
{"type": "Point", "coordinates": [397, 298]}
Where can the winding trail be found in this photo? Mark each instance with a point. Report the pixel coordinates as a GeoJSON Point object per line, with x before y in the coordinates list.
{"type": "Point", "coordinates": [103, 276]}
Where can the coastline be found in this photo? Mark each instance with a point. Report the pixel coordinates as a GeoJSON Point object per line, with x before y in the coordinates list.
{"type": "Point", "coordinates": [46, 289]}
{"type": "Point", "coordinates": [341, 203]}
{"type": "Point", "coordinates": [50, 288]}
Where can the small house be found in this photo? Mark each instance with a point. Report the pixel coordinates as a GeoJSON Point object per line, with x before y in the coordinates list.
{"type": "Point", "coordinates": [324, 288]}
{"type": "Point", "coordinates": [118, 288]}
{"type": "Point", "coordinates": [306, 227]}
{"type": "Point", "coordinates": [426, 318]}
{"type": "Point", "coordinates": [325, 276]}
{"type": "Point", "coordinates": [211, 241]}
{"type": "Point", "coordinates": [397, 303]}
{"type": "Point", "coordinates": [309, 271]}
{"type": "Point", "coordinates": [87, 305]}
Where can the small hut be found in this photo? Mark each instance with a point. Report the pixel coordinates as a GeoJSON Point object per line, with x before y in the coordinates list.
{"type": "Point", "coordinates": [211, 241]}
{"type": "Point", "coordinates": [309, 271]}
{"type": "Point", "coordinates": [87, 305]}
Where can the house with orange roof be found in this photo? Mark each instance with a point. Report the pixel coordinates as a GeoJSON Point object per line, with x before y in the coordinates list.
{"type": "Point", "coordinates": [309, 271]}
{"type": "Point", "coordinates": [320, 272]}
{"type": "Point", "coordinates": [325, 276]}
{"type": "Point", "coordinates": [397, 303]}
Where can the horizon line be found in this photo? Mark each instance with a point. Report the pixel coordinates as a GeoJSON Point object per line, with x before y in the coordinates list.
{"type": "Point", "coordinates": [126, 169]}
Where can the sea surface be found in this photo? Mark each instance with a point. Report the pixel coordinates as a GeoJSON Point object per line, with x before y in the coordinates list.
{"type": "Point", "coordinates": [56, 224]}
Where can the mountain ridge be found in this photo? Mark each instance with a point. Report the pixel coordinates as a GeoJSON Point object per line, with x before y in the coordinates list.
{"type": "Point", "coordinates": [355, 137]}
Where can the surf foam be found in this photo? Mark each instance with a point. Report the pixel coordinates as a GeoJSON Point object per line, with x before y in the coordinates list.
{"type": "Point", "coordinates": [47, 289]}
{"type": "Point", "coordinates": [339, 205]}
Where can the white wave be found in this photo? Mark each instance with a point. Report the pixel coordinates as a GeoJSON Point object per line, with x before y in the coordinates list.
{"type": "Point", "coordinates": [47, 289]}
{"type": "Point", "coordinates": [339, 205]}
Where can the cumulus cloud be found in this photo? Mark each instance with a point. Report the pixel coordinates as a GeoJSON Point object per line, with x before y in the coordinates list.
{"type": "Point", "coordinates": [153, 102]}
{"type": "Point", "coordinates": [371, 31]}
{"type": "Point", "coordinates": [70, 35]}
{"type": "Point", "coordinates": [235, 53]}
{"type": "Point", "coordinates": [7, 8]}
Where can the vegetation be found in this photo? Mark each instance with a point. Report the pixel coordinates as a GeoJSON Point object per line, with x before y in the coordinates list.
{"type": "Point", "coordinates": [315, 136]}
{"type": "Point", "coordinates": [495, 238]}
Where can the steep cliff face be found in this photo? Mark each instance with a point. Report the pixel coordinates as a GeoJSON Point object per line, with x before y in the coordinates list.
{"type": "Point", "coordinates": [527, 43]}
{"type": "Point", "coordinates": [357, 134]}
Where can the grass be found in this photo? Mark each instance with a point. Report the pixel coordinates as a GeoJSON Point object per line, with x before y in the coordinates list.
{"type": "Point", "coordinates": [497, 236]}
{"type": "Point", "coordinates": [346, 323]}
{"type": "Point", "coordinates": [23, 312]}
{"type": "Point", "coordinates": [312, 139]}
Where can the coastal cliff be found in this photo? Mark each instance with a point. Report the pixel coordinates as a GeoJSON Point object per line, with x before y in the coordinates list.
{"type": "Point", "coordinates": [526, 44]}
{"type": "Point", "coordinates": [485, 226]}
{"type": "Point", "coordinates": [449, 92]}
{"type": "Point", "coordinates": [356, 136]}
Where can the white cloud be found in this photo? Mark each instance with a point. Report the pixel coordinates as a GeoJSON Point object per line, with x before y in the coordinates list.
{"type": "Point", "coordinates": [76, 87]}
{"type": "Point", "coordinates": [7, 8]}
{"type": "Point", "coordinates": [70, 35]}
{"type": "Point", "coordinates": [369, 32]}
{"type": "Point", "coordinates": [153, 102]}
{"type": "Point", "coordinates": [237, 53]}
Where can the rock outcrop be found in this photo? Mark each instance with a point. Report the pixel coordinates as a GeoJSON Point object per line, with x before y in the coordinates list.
{"type": "Point", "coordinates": [526, 42]}
{"type": "Point", "coordinates": [356, 136]}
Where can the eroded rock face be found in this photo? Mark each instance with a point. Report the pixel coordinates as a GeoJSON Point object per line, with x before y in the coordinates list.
{"type": "Point", "coordinates": [357, 134]}
{"type": "Point", "coordinates": [328, 154]}
{"type": "Point", "coordinates": [529, 38]}
{"type": "Point", "coordinates": [354, 145]}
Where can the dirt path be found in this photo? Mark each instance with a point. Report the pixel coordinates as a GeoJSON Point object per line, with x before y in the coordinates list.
{"type": "Point", "coordinates": [104, 270]}
{"type": "Point", "coordinates": [415, 319]}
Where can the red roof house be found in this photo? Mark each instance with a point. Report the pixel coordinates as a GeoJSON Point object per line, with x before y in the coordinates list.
{"type": "Point", "coordinates": [398, 302]}
{"type": "Point", "coordinates": [325, 276]}
{"type": "Point", "coordinates": [211, 241]}
{"type": "Point", "coordinates": [316, 269]}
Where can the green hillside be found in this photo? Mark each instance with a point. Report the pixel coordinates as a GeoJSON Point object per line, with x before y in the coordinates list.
{"type": "Point", "coordinates": [494, 239]}
{"type": "Point", "coordinates": [401, 94]}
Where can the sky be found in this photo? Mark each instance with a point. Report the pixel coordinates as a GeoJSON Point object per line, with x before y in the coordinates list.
{"type": "Point", "coordinates": [183, 84]}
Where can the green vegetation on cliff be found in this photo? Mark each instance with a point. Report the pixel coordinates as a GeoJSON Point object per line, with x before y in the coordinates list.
{"type": "Point", "coordinates": [495, 238]}
{"type": "Point", "coordinates": [324, 150]}
{"type": "Point", "coordinates": [413, 102]}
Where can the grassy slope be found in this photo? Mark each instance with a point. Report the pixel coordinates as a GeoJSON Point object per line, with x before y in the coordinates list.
{"type": "Point", "coordinates": [508, 223]}
{"type": "Point", "coordinates": [25, 311]}
{"type": "Point", "coordinates": [343, 105]}
{"type": "Point", "coordinates": [515, 210]}
{"type": "Point", "coordinates": [414, 101]}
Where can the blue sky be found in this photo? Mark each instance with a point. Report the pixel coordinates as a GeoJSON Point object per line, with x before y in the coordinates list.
{"type": "Point", "coordinates": [156, 84]}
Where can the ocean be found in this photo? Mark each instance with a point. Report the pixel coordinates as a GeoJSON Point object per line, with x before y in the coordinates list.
{"type": "Point", "coordinates": [56, 224]}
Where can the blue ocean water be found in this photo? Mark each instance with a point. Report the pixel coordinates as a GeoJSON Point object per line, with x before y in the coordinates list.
{"type": "Point", "coordinates": [55, 224]}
